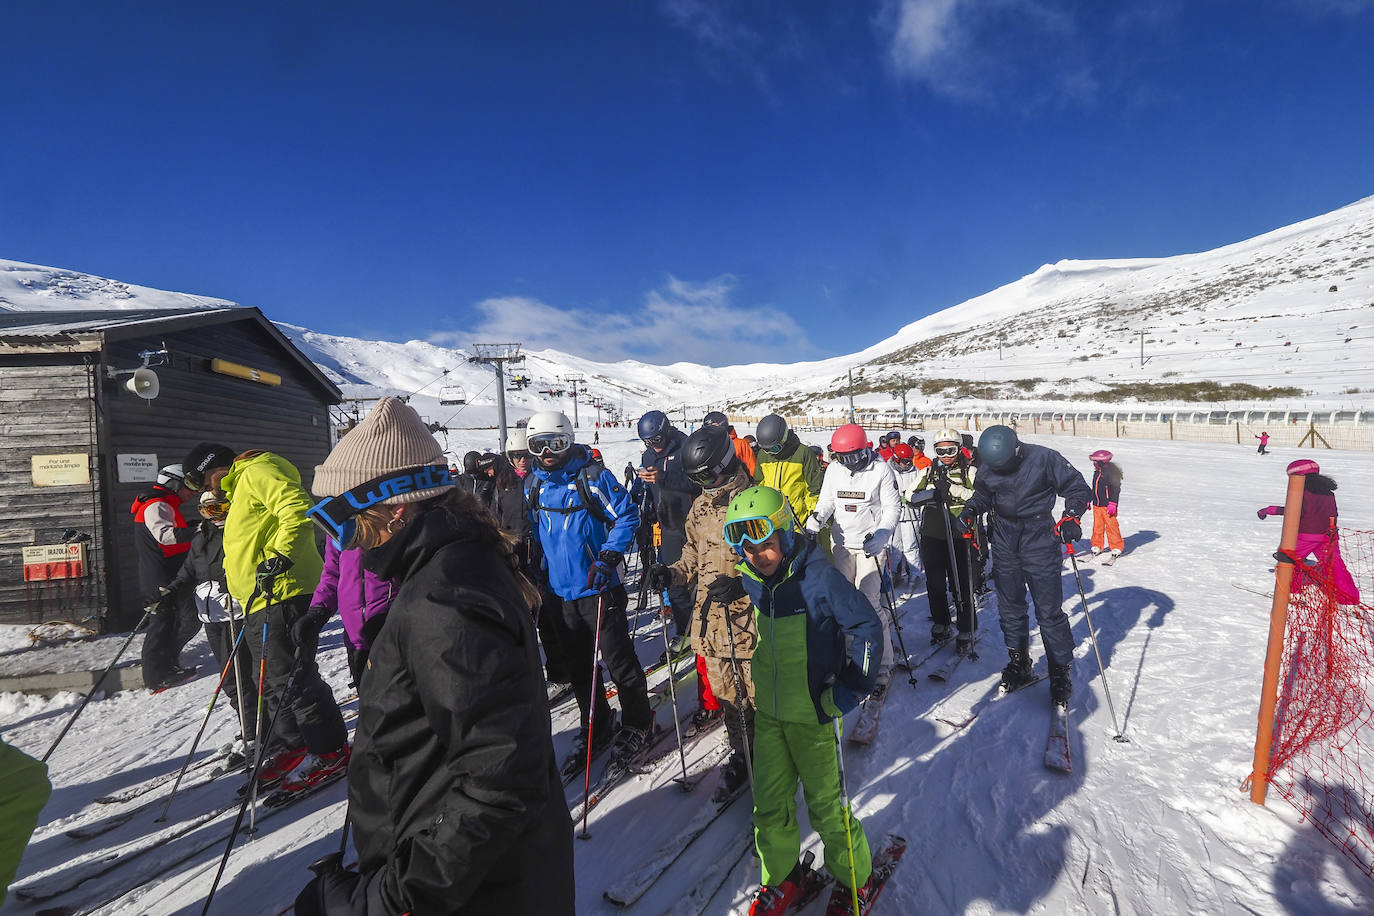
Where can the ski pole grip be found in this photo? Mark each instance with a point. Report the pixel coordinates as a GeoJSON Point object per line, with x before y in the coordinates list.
{"type": "Point", "coordinates": [328, 864]}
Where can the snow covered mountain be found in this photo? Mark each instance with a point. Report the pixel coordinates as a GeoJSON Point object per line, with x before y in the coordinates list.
{"type": "Point", "coordinates": [1285, 317]}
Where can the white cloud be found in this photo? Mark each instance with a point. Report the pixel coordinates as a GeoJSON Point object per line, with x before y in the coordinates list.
{"type": "Point", "coordinates": [971, 49]}
{"type": "Point", "coordinates": [695, 322]}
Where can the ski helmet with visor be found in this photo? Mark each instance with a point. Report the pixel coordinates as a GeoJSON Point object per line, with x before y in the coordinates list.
{"type": "Point", "coordinates": [850, 445]}
{"type": "Point", "coordinates": [549, 433]}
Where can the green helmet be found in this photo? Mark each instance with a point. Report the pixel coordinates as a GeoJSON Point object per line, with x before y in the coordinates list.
{"type": "Point", "coordinates": [755, 514]}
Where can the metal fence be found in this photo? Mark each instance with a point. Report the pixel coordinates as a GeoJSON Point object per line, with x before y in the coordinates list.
{"type": "Point", "coordinates": [1337, 429]}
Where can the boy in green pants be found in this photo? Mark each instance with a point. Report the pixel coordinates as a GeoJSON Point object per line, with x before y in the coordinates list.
{"type": "Point", "coordinates": [820, 646]}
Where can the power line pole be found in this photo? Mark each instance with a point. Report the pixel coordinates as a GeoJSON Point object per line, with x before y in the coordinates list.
{"type": "Point", "coordinates": [498, 355]}
{"type": "Point", "coordinates": [851, 395]}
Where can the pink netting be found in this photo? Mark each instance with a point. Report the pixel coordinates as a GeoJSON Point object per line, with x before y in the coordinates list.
{"type": "Point", "coordinates": [1324, 724]}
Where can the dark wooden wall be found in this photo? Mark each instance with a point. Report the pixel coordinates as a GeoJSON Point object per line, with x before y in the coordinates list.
{"type": "Point", "coordinates": [198, 405]}
{"type": "Point", "coordinates": [46, 408]}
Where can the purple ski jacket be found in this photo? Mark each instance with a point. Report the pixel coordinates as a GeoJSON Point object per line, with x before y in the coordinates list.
{"type": "Point", "coordinates": [356, 594]}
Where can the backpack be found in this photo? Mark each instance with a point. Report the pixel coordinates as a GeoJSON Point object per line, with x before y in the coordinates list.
{"type": "Point", "coordinates": [583, 483]}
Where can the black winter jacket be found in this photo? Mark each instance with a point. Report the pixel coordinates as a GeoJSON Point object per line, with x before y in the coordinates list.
{"type": "Point", "coordinates": [456, 801]}
{"type": "Point", "coordinates": [673, 494]}
{"type": "Point", "coordinates": [1030, 489]}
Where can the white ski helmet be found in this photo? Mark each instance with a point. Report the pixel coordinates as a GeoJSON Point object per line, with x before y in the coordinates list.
{"type": "Point", "coordinates": [552, 424]}
{"type": "Point", "coordinates": [172, 477]}
{"type": "Point", "coordinates": [948, 435]}
{"type": "Point", "coordinates": [517, 440]}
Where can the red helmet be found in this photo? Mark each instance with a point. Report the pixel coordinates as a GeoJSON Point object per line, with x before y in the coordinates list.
{"type": "Point", "coordinates": [1100, 455]}
{"type": "Point", "coordinates": [848, 438]}
{"type": "Point", "coordinates": [902, 452]}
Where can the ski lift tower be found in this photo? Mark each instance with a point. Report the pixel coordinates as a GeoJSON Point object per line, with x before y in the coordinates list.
{"type": "Point", "coordinates": [573, 380]}
{"type": "Point", "coordinates": [498, 355]}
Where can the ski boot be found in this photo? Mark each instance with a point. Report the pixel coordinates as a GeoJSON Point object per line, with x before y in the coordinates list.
{"type": "Point", "coordinates": [577, 757]}
{"type": "Point", "coordinates": [1017, 673]}
{"type": "Point", "coordinates": [630, 743]}
{"type": "Point", "coordinates": [963, 645]}
{"type": "Point", "coordinates": [734, 777]}
{"type": "Point", "coordinates": [1061, 684]}
{"type": "Point", "coordinates": [702, 719]}
{"type": "Point", "coordinates": [775, 899]}
{"type": "Point", "coordinates": [940, 633]}
{"type": "Point", "coordinates": [315, 769]}
{"type": "Point", "coordinates": [842, 899]}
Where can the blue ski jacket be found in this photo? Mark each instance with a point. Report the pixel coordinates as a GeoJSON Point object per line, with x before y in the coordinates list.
{"type": "Point", "coordinates": [1030, 489]}
{"type": "Point", "coordinates": [567, 533]}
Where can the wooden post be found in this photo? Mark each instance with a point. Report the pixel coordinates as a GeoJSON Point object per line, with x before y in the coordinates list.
{"type": "Point", "coordinates": [1278, 622]}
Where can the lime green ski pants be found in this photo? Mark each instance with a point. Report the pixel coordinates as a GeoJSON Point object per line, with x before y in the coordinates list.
{"type": "Point", "coordinates": [784, 752]}
{"type": "Point", "coordinates": [24, 790]}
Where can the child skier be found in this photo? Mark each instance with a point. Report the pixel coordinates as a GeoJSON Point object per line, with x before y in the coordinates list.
{"type": "Point", "coordinates": [859, 493]}
{"type": "Point", "coordinates": [1106, 531]}
{"type": "Point", "coordinates": [945, 552]}
{"type": "Point", "coordinates": [819, 649]}
{"type": "Point", "coordinates": [1317, 530]}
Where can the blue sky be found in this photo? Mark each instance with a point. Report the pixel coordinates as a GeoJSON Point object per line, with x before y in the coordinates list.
{"type": "Point", "coordinates": [718, 182]}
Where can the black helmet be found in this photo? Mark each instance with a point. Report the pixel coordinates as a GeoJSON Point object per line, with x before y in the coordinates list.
{"type": "Point", "coordinates": [470, 462]}
{"type": "Point", "coordinates": [486, 461]}
{"type": "Point", "coordinates": [715, 418]}
{"type": "Point", "coordinates": [772, 432]}
{"type": "Point", "coordinates": [917, 443]}
{"type": "Point", "coordinates": [707, 454]}
{"type": "Point", "coordinates": [653, 424]}
{"type": "Point", "coordinates": [999, 447]}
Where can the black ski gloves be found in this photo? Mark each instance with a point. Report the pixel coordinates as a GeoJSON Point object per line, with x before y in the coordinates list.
{"type": "Point", "coordinates": [269, 569]}
{"type": "Point", "coordinates": [660, 577]}
{"type": "Point", "coordinates": [725, 590]}
{"type": "Point", "coordinates": [1068, 529]}
{"type": "Point", "coordinates": [599, 576]}
{"type": "Point", "coordinates": [329, 894]}
{"type": "Point", "coordinates": [306, 629]}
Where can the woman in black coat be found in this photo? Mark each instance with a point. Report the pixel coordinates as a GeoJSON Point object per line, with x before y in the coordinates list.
{"type": "Point", "coordinates": [454, 795]}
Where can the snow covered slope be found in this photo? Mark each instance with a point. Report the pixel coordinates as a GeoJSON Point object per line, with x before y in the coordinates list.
{"type": "Point", "coordinates": [1290, 313]}
{"type": "Point", "coordinates": [1156, 826]}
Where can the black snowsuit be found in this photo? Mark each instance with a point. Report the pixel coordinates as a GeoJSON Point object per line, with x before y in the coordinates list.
{"type": "Point", "coordinates": [455, 797]}
{"type": "Point", "coordinates": [1026, 552]}
{"type": "Point", "coordinates": [671, 500]}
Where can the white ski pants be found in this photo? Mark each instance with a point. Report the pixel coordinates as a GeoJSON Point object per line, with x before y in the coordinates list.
{"type": "Point", "coordinates": [862, 571]}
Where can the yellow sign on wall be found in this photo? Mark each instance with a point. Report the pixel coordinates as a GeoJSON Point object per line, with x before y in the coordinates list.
{"type": "Point", "coordinates": [61, 470]}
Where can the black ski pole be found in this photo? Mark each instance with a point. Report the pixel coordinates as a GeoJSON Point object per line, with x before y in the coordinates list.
{"type": "Point", "coordinates": [741, 691]}
{"type": "Point", "coordinates": [1073, 560]}
{"type": "Point", "coordinates": [265, 588]}
{"type": "Point", "coordinates": [896, 625]}
{"type": "Point", "coordinates": [672, 692]}
{"type": "Point", "coordinates": [224, 676]}
{"type": "Point", "coordinates": [147, 612]}
{"type": "Point", "coordinates": [591, 715]}
{"type": "Point", "coordinates": [251, 794]}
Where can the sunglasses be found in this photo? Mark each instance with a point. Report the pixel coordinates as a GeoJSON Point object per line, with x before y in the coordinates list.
{"type": "Point", "coordinates": [549, 443]}
{"type": "Point", "coordinates": [518, 456]}
{"type": "Point", "coordinates": [946, 451]}
{"type": "Point", "coordinates": [337, 516]}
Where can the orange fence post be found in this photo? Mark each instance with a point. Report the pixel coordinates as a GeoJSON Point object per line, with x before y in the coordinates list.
{"type": "Point", "coordinates": [1278, 622]}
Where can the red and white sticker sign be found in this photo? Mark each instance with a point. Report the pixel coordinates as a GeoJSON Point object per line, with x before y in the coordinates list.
{"type": "Point", "coordinates": [54, 561]}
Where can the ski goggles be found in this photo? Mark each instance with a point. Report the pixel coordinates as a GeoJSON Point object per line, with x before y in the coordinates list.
{"type": "Point", "coordinates": [656, 441]}
{"type": "Point", "coordinates": [707, 476]}
{"type": "Point", "coordinates": [852, 460]}
{"type": "Point", "coordinates": [337, 516]}
{"type": "Point", "coordinates": [946, 451]}
{"type": "Point", "coordinates": [549, 443]}
{"type": "Point", "coordinates": [903, 464]}
{"type": "Point", "coordinates": [748, 531]}
{"type": "Point", "coordinates": [521, 455]}
{"type": "Point", "coordinates": [774, 449]}
{"type": "Point", "coordinates": [214, 511]}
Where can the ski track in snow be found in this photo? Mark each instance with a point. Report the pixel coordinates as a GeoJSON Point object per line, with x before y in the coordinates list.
{"type": "Point", "coordinates": [1157, 825]}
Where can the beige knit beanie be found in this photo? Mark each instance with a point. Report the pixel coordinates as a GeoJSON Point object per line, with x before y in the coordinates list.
{"type": "Point", "coordinates": [392, 438]}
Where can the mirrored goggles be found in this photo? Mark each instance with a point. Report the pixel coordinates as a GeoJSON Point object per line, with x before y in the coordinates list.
{"type": "Point", "coordinates": [656, 441]}
{"type": "Point", "coordinates": [946, 451]}
{"type": "Point", "coordinates": [549, 444]}
{"type": "Point", "coordinates": [337, 516]}
{"type": "Point", "coordinates": [193, 481]}
{"type": "Point", "coordinates": [775, 449]}
{"type": "Point", "coordinates": [215, 511]}
{"type": "Point", "coordinates": [854, 459]}
{"type": "Point", "coordinates": [748, 531]}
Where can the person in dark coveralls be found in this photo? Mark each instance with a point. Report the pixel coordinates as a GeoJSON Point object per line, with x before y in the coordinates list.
{"type": "Point", "coordinates": [455, 800]}
{"type": "Point", "coordinates": [1020, 483]}
{"type": "Point", "coordinates": [162, 539]}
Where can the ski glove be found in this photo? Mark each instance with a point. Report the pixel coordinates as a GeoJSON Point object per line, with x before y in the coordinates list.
{"type": "Point", "coordinates": [1267, 511]}
{"type": "Point", "coordinates": [1068, 529]}
{"type": "Point", "coordinates": [875, 544]}
{"type": "Point", "coordinates": [269, 569]}
{"type": "Point", "coordinates": [329, 894]}
{"type": "Point", "coordinates": [306, 629]}
{"type": "Point", "coordinates": [660, 577]}
{"type": "Point", "coordinates": [725, 590]}
{"type": "Point", "coordinates": [1111, 510]}
{"type": "Point", "coordinates": [599, 576]}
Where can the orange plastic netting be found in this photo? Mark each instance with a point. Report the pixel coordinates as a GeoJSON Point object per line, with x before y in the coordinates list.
{"type": "Point", "coordinates": [1324, 725]}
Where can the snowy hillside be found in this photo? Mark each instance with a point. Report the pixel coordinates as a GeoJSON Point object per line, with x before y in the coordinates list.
{"type": "Point", "coordinates": [1289, 313]}
{"type": "Point", "coordinates": [1156, 826]}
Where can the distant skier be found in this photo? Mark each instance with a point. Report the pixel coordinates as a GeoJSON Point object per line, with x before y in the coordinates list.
{"type": "Point", "coordinates": [1317, 533]}
{"type": "Point", "coordinates": [1020, 484]}
{"type": "Point", "coordinates": [453, 795]}
{"type": "Point", "coordinates": [161, 541]}
{"type": "Point", "coordinates": [860, 496]}
{"type": "Point", "coordinates": [820, 646]}
{"type": "Point", "coordinates": [1263, 438]}
{"type": "Point", "coordinates": [949, 482]}
{"type": "Point", "coordinates": [1106, 531]}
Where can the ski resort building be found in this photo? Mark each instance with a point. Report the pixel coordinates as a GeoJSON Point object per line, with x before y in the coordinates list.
{"type": "Point", "coordinates": [92, 403]}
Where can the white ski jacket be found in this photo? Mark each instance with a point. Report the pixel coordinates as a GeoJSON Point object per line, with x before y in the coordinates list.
{"type": "Point", "coordinates": [859, 504]}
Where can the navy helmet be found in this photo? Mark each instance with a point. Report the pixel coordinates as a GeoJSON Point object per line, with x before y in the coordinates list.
{"type": "Point", "coordinates": [653, 425]}
{"type": "Point", "coordinates": [999, 448]}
